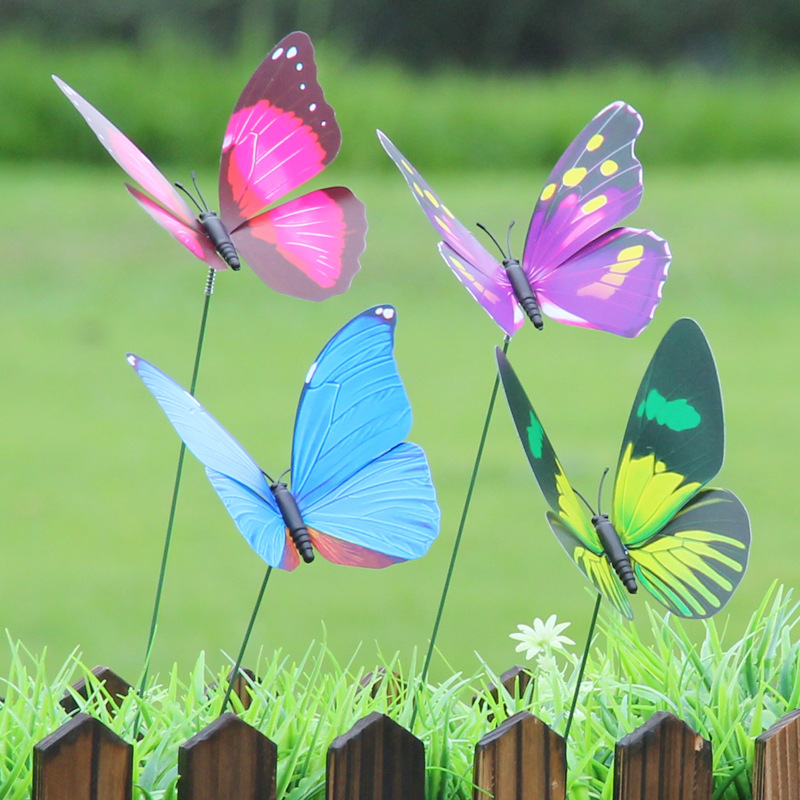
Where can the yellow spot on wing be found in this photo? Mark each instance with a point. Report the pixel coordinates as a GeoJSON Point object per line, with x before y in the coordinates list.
{"type": "Point", "coordinates": [432, 198]}
{"type": "Point", "coordinates": [417, 188]}
{"type": "Point", "coordinates": [613, 279]}
{"type": "Point", "coordinates": [635, 251]}
{"type": "Point", "coordinates": [609, 167]}
{"type": "Point", "coordinates": [628, 259]}
{"type": "Point", "coordinates": [572, 177]}
{"type": "Point", "coordinates": [594, 204]}
{"type": "Point", "coordinates": [548, 191]}
{"type": "Point", "coordinates": [407, 167]}
{"type": "Point", "coordinates": [595, 142]}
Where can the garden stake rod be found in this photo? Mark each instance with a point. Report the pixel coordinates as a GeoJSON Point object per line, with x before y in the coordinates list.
{"type": "Point", "coordinates": [582, 667]}
{"type": "Point", "coordinates": [208, 291]}
{"type": "Point", "coordinates": [457, 543]}
{"type": "Point", "coordinates": [235, 671]}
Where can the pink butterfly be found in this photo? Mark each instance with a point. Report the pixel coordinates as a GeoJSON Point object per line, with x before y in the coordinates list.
{"type": "Point", "coordinates": [281, 134]}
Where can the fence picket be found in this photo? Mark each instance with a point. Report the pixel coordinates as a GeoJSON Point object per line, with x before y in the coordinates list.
{"type": "Point", "coordinates": [82, 760]}
{"type": "Point", "coordinates": [776, 767]}
{"type": "Point", "coordinates": [116, 687]}
{"type": "Point", "coordinates": [376, 759]}
{"type": "Point", "coordinates": [521, 759]}
{"type": "Point", "coordinates": [664, 759]}
{"type": "Point", "coordinates": [227, 759]}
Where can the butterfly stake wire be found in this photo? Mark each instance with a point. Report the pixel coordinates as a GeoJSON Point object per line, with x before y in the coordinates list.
{"type": "Point", "coordinates": [457, 543]}
{"type": "Point", "coordinates": [207, 292]}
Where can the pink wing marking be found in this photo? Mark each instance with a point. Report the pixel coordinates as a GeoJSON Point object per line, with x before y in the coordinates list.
{"type": "Point", "coordinates": [349, 554]}
{"type": "Point", "coordinates": [596, 183]}
{"type": "Point", "coordinates": [270, 152]}
{"type": "Point", "coordinates": [308, 247]}
{"type": "Point", "coordinates": [129, 156]}
{"type": "Point", "coordinates": [613, 284]}
{"type": "Point", "coordinates": [282, 132]}
{"type": "Point", "coordinates": [495, 296]}
{"type": "Point", "coordinates": [192, 237]}
{"type": "Point", "coordinates": [291, 558]}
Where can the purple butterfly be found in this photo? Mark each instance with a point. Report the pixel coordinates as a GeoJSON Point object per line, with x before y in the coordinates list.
{"type": "Point", "coordinates": [575, 267]}
{"type": "Point", "coordinates": [281, 134]}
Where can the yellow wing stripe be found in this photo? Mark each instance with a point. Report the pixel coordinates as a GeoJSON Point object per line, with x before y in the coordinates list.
{"type": "Point", "coordinates": [659, 495]}
{"type": "Point", "coordinates": [599, 572]}
{"type": "Point", "coordinates": [673, 568]}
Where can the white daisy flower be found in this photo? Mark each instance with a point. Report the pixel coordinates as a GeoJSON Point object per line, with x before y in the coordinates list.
{"type": "Point", "coordinates": [544, 638]}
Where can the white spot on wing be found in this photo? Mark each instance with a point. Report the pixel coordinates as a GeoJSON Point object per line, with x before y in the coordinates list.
{"type": "Point", "coordinates": [277, 54]}
{"type": "Point", "coordinates": [310, 374]}
{"type": "Point", "coordinates": [299, 66]}
{"type": "Point", "coordinates": [388, 313]}
{"type": "Point", "coordinates": [302, 86]}
{"type": "Point", "coordinates": [312, 107]}
{"type": "Point", "coordinates": [291, 52]}
{"type": "Point", "coordinates": [131, 358]}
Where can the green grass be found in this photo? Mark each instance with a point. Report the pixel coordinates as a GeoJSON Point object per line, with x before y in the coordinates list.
{"type": "Point", "coordinates": [88, 458]}
{"type": "Point", "coordinates": [447, 119]}
{"type": "Point", "coordinates": [728, 692]}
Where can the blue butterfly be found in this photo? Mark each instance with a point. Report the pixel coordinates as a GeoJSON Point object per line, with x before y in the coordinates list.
{"type": "Point", "coordinates": [360, 494]}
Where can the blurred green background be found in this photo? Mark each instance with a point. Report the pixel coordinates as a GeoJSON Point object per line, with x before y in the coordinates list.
{"type": "Point", "coordinates": [483, 98]}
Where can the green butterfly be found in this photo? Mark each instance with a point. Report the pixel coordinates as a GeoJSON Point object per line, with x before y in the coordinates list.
{"type": "Point", "coordinates": [686, 545]}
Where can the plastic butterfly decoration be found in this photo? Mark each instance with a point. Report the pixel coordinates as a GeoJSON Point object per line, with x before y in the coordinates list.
{"type": "Point", "coordinates": [573, 267]}
{"type": "Point", "coordinates": [281, 134]}
{"type": "Point", "coordinates": [360, 494]}
{"type": "Point", "coordinates": [687, 545]}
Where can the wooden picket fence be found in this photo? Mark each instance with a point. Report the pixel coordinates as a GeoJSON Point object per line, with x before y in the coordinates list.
{"type": "Point", "coordinates": [521, 759]}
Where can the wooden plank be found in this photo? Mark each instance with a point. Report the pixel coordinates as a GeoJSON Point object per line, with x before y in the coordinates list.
{"type": "Point", "coordinates": [664, 759]}
{"type": "Point", "coordinates": [521, 759]}
{"type": "Point", "coordinates": [227, 759]}
{"type": "Point", "coordinates": [116, 687]}
{"type": "Point", "coordinates": [242, 685]}
{"type": "Point", "coordinates": [376, 760]}
{"type": "Point", "coordinates": [515, 681]}
{"type": "Point", "coordinates": [82, 760]}
{"type": "Point", "coordinates": [776, 767]}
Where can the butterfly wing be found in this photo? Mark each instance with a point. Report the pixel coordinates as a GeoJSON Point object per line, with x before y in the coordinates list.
{"type": "Point", "coordinates": [595, 184]}
{"type": "Point", "coordinates": [674, 441]}
{"type": "Point", "coordinates": [193, 239]}
{"type": "Point", "coordinates": [583, 273]}
{"type": "Point", "coordinates": [569, 523]}
{"type": "Point", "coordinates": [262, 528]}
{"type": "Point", "coordinates": [595, 566]}
{"type": "Point", "coordinates": [688, 547]}
{"type": "Point", "coordinates": [237, 478]}
{"type": "Point", "coordinates": [613, 284]}
{"type": "Point", "coordinates": [383, 514]}
{"type": "Point", "coordinates": [281, 134]}
{"type": "Point", "coordinates": [308, 247]}
{"type": "Point", "coordinates": [695, 562]}
{"type": "Point", "coordinates": [131, 159]}
{"type": "Point", "coordinates": [484, 278]}
{"type": "Point", "coordinates": [356, 483]}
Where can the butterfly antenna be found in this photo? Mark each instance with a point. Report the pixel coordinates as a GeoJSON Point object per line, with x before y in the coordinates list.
{"type": "Point", "coordinates": [488, 233]}
{"type": "Point", "coordinates": [508, 237]}
{"type": "Point", "coordinates": [190, 195]}
{"type": "Point", "coordinates": [591, 510]}
{"type": "Point", "coordinates": [266, 475]}
{"type": "Point", "coordinates": [285, 472]}
{"type": "Point", "coordinates": [600, 490]}
{"type": "Point", "coordinates": [197, 189]}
